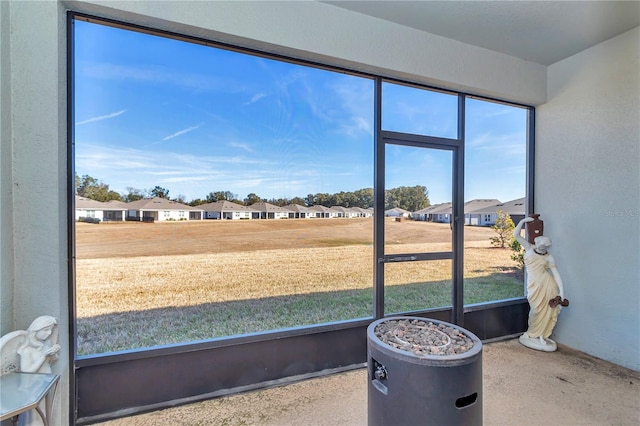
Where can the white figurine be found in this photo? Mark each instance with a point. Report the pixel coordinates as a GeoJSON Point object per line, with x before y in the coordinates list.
{"type": "Point", "coordinates": [31, 351]}
{"type": "Point", "coordinates": [545, 291]}
{"type": "Point", "coordinates": [40, 347]}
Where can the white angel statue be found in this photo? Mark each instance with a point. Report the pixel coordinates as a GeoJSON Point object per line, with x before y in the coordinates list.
{"type": "Point", "coordinates": [33, 350]}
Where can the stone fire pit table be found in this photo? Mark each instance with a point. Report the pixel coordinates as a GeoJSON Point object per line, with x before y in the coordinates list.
{"type": "Point", "coordinates": [423, 372]}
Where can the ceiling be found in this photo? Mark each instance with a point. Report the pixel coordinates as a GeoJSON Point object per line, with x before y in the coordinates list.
{"type": "Point", "coordinates": [543, 32]}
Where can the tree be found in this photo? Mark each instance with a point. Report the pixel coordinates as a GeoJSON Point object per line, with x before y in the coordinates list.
{"type": "Point", "coordinates": [133, 194]}
{"type": "Point", "coordinates": [411, 198]}
{"type": "Point", "coordinates": [84, 184]}
{"type": "Point", "coordinates": [309, 200]}
{"type": "Point", "coordinates": [180, 199]}
{"type": "Point", "coordinates": [323, 199]}
{"type": "Point", "coordinates": [518, 252]}
{"type": "Point", "coordinates": [504, 228]}
{"type": "Point", "coordinates": [90, 187]}
{"type": "Point", "coordinates": [252, 198]}
{"type": "Point", "coordinates": [159, 192]}
{"type": "Point", "coordinates": [297, 200]}
{"type": "Point", "coordinates": [212, 197]}
{"type": "Point", "coordinates": [280, 202]}
{"type": "Point", "coordinates": [364, 198]}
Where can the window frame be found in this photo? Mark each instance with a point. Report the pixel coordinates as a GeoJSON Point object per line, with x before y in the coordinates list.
{"type": "Point", "coordinates": [279, 356]}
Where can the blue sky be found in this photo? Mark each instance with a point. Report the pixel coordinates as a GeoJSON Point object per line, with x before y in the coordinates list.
{"type": "Point", "coordinates": [194, 119]}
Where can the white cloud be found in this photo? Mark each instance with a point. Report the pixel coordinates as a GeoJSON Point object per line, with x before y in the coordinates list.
{"type": "Point", "coordinates": [154, 74]}
{"type": "Point", "coordinates": [255, 98]}
{"type": "Point", "coordinates": [507, 144]}
{"type": "Point", "coordinates": [243, 146]}
{"type": "Point", "coordinates": [101, 117]}
{"type": "Point", "coordinates": [187, 174]}
{"type": "Point", "coordinates": [181, 132]}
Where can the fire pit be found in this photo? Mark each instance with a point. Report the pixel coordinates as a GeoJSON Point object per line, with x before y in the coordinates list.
{"type": "Point", "coordinates": [423, 371]}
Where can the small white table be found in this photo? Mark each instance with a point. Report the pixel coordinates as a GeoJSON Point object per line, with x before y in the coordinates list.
{"type": "Point", "coordinates": [21, 392]}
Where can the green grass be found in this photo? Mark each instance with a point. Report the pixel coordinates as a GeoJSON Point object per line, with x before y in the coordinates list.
{"type": "Point", "coordinates": [118, 331]}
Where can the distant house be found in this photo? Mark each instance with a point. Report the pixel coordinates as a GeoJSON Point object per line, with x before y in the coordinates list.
{"type": "Point", "coordinates": [425, 214]}
{"type": "Point", "coordinates": [341, 211]}
{"type": "Point", "coordinates": [296, 211]}
{"type": "Point", "coordinates": [397, 212]}
{"type": "Point", "coordinates": [115, 211]}
{"type": "Point", "coordinates": [440, 213]}
{"type": "Point", "coordinates": [347, 212]}
{"type": "Point", "coordinates": [362, 212]}
{"type": "Point", "coordinates": [161, 209]}
{"type": "Point", "coordinates": [472, 209]}
{"type": "Point", "coordinates": [487, 216]}
{"type": "Point", "coordinates": [224, 209]}
{"type": "Point", "coordinates": [322, 211]}
{"type": "Point", "coordinates": [269, 211]}
{"type": "Point", "coordinates": [88, 208]}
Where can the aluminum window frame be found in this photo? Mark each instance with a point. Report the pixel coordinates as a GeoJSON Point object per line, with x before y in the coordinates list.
{"type": "Point", "coordinates": [286, 355]}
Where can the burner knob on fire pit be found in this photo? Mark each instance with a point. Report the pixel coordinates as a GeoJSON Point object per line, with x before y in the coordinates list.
{"type": "Point", "coordinates": [380, 373]}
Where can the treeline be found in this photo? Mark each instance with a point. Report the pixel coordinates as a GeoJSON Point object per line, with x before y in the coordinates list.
{"type": "Point", "coordinates": [411, 198]}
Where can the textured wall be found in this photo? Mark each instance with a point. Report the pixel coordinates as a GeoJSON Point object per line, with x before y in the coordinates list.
{"type": "Point", "coordinates": [6, 205]}
{"type": "Point", "coordinates": [588, 190]}
{"type": "Point", "coordinates": [34, 268]}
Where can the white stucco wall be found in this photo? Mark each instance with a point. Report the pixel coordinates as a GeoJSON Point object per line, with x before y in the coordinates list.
{"type": "Point", "coordinates": [34, 174]}
{"type": "Point", "coordinates": [6, 205]}
{"type": "Point", "coordinates": [588, 192]}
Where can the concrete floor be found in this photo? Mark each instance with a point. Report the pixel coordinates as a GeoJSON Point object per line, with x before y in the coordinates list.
{"type": "Point", "coordinates": [520, 387]}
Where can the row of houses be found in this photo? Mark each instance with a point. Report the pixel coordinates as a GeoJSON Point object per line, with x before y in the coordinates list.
{"type": "Point", "coordinates": [160, 209]}
{"type": "Point", "coordinates": [481, 212]}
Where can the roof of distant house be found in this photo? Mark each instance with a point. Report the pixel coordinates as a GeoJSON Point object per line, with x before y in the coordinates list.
{"type": "Point", "coordinates": [320, 208]}
{"type": "Point", "coordinates": [266, 207]}
{"type": "Point", "coordinates": [88, 203]}
{"type": "Point", "coordinates": [296, 208]}
{"type": "Point", "coordinates": [116, 204]}
{"type": "Point", "coordinates": [477, 204]}
{"type": "Point", "coordinates": [511, 207]}
{"type": "Point", "coordinates": [397, 209]}
{"type": "Point", "coordinates": [442, 208]}
{"type": "Point", "coordinates": [158, 203]}
{"type": "Point", "coordinates": [225, 206]}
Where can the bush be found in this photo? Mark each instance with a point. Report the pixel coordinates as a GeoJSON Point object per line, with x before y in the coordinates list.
{"type": "Point", "coordinates": [504, 228]}
{"type": "Point", "coordinates": [89, 219]}
{"type": "Point", "coordinates": [518, 253]}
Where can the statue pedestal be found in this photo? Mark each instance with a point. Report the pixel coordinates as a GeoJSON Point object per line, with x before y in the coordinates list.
{"type": "Point", "coordinates": [538, 343]}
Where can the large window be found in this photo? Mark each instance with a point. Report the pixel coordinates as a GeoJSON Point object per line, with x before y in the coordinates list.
{"type": "Point", "coordinates": [495, 190]}
{"type": "Point", "coordinates": [272, 160]}
{"type": "Point", "coordinates": [233, 193]}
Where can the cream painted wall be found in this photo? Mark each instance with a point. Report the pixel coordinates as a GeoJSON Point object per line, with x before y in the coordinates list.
{"type": "Point", "coordinates": [6, 208]}
{"type": "Point", "coordinates": [588, 191]}
{"type": "Point", "coordinates": [34, 164]}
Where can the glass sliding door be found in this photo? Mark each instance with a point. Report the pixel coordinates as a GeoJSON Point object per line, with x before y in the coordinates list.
{"type": "Point", "coordinates": [420, 136]}
{"type": "Point", "coordinates": [413, 178]}
{"type": "Point", "coordinates": [418, 238]}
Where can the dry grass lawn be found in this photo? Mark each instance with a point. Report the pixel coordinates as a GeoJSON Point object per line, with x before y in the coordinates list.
{"type": "Point", "coordinates": [141, 284]}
